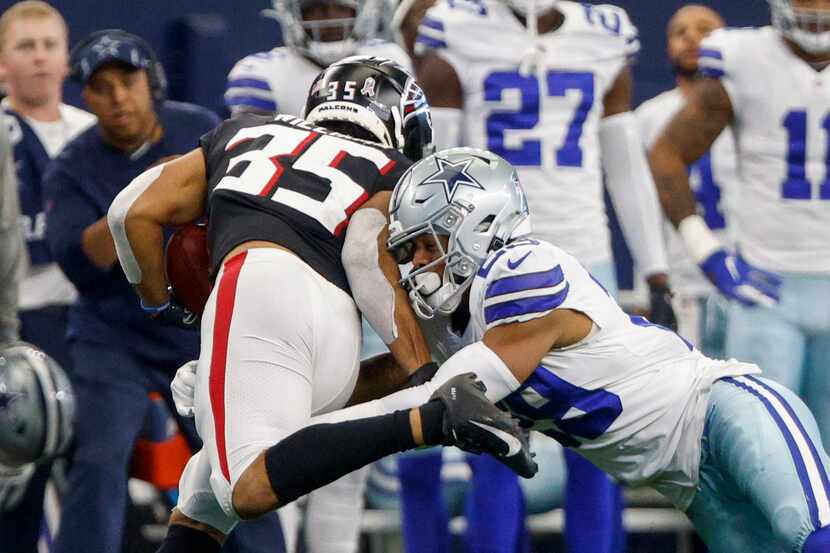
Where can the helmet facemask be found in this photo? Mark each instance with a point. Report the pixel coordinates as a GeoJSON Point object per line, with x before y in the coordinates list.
{"type": "Point", "coordinates": [473, 200]}
{"type": "Point", "coordinates": [809, 29]}
{"type": "Point", "coordinates": [429, 291]}
{"type": "Point", "coordinates": [309, 36]}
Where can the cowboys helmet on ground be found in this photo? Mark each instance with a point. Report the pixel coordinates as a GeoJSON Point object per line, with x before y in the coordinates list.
{"type": "Point", "coordinates": [37, 406]}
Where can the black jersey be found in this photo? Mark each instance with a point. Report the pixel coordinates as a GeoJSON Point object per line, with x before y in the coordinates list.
{"type": "Point", "coordinates": [282, 180]}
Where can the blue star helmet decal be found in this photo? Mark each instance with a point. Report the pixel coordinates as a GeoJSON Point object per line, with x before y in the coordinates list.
{"type": "Point", "coordinates": [452, 175]}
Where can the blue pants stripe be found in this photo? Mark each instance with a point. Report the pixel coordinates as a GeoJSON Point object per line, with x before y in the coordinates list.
{"type": "Point", "coordinates": [810, 444]}
{"type": "Point", "coordinates": [796, 455]}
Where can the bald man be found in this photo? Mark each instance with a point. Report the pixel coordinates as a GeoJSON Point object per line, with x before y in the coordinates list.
{"type": "Point", "coordinates": [699, 307]}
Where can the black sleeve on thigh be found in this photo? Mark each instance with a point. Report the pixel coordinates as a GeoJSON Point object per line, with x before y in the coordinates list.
{"type": "Point", "coordinates": [183, 539]}
{"type": "Point", "coordinates": [317, 455]}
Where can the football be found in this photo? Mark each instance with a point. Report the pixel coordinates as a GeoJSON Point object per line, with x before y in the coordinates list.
{"type": "Point", "coordinates": [188, 267]}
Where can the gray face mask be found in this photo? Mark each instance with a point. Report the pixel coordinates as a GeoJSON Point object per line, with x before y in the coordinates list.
{"type": "Point", "coordinates": [470, 197]}
{"type": "Point", "coordinates": [307, 37]}
{"type": "Point", "coordinates": [809, 29]}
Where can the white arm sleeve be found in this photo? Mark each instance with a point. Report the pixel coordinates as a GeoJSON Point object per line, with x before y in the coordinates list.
{"type": "Point", "coordinates": [446, 128]}
{"type": "Point", "coordinates": [372, 292]}
{"type": "Point", "coordinates": [117, 215]}
{"type": "Point", "coordinates": [476, 358]}
{"type": "Point", "coordinates": [633, 192]}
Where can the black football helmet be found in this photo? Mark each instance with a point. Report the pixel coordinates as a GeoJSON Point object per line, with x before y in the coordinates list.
{"type": "Point", "coordinates": [377, 95]}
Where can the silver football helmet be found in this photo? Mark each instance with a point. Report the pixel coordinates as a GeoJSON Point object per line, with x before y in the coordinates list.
{"type": "Point", "coordinates": [808, 28]}
{"type": "Point", "coordinates": [37, 406]}
{"type": "Point", "coordinates": [474, 199]}
{"type": "Point", "coordinates": [306, 36]}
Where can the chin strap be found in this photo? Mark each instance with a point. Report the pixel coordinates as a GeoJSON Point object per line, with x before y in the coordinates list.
{"type": "Point", "coordinates": [422, 294]}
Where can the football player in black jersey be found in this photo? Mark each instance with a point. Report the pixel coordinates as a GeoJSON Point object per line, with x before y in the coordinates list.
{"type": "Point", "coordinates": [280, 332]}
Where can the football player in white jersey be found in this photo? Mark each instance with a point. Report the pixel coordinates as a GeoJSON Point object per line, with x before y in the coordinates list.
{"type": "Point", "coordinates": [699, 310]}
{"type": "Point", "coordinates": [772, 86]}
{"type": "Point", "coordinates": [740, 454]}
{"type": "Point", "coordinates": [316, 33]}
{"type": "Point", "coordinates": [547, 85]}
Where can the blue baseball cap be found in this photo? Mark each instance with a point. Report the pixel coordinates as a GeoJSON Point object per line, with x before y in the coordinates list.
{"type": "Point", "coordinates": [107, 46]}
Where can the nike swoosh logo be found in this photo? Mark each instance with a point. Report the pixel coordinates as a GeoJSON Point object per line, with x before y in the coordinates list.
{"type": "Point", "coordinates": [732, 267]}
{"type": "Point", "coordinates": [513, 444]}
{"type": "Point", "coordinates": [514, 265]}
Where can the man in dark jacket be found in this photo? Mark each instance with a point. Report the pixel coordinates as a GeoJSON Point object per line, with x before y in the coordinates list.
{"type": "Point", "coordinates": [121, 353]}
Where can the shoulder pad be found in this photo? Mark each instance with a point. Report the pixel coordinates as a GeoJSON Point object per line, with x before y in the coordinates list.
{"type": "Point", "coordinates": [445, 22]}
{"type": "Point", "coordinates": [249, 85]}
{"type": "Point", "coordinates": [713, 49]}
{"type": "Point", "coordinates": [520, 282]}
{"type": "Point", "coordinates": [605, 22]}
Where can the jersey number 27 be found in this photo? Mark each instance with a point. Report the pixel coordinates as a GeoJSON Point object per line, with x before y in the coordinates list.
{"type": "Point", "coordinates": [558, 84]}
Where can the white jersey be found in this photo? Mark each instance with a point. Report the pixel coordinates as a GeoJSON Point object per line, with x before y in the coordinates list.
{"type": "Point", "coordinates": [782, 131]}
{"type": "Point", "coordinates": [279, 80]}
{"type": "Point", "coordinates": [545, 123]}
{"type": "Point", "coordinates": [712, 179]}
{"type": "Point", "coordinates": [631, 397]}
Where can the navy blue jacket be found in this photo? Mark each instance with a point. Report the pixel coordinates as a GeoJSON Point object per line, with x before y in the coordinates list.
{"type": "Point", "coordinates": [79, 185]}
{"type": "Point", "coordinates": [31, 160]}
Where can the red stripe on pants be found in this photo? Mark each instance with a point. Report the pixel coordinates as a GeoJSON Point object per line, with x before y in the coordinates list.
{"type": "Point", "coordinates": [219, 355]}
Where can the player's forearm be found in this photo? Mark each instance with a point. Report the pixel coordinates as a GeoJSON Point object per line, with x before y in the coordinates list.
{"type": "Point", "coordinates": [138, 239]}
{"type": "Point", "coordinates": [373, 276]}
{"type": "Point", "coordinates": [672, 182]}
{"type": "Point", "coordinates": [689, 135]}
{"type": "Point", "coordinates": [97, 244]}
{"type": "Point", "coordinates": [410, 347]}
{"type": "Point", "coordinates": [147, 240]}
{"type": "Point", "coordinates": [632, 191]}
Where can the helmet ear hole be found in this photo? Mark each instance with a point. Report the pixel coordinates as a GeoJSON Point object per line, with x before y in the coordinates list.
{"type": "Point", "coordinates": [485, 223]}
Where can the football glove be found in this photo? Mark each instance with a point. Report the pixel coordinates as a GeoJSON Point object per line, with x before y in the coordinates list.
{"type": "Point", "coordinates": [183, 387]}
{"type": "Point", "coordinates": [661, 311]}
{"type": "Point", "coordinates": [740, 281]}
{"type": "Point", "coordinates": [472, 423]}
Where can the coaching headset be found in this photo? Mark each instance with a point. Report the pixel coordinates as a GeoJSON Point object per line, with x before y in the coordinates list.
{"type": "Point", "coordinates": [117, 45]}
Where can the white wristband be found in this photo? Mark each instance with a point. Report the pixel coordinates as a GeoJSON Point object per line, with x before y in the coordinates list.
{"type": "Point", "coordinates": [700, 240]}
